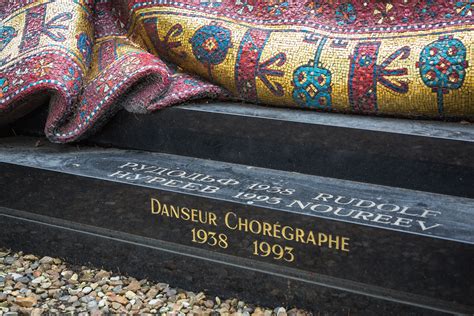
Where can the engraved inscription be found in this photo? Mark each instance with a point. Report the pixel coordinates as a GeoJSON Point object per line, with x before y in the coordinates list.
{"type": "Point", "coordinates": [369, 211]}
{"type": "Point", "coordinates": [230, 221]}
{"type": "Point", "coordinates": [278, 252]}
{"type": "Point", "coordinates": [285, 232]}
{"type": "Point", "coordinates": [202, 236]}
{"type": "Point", "coordinates": [183, 213]}
{"type": "Point", "coordinates": [278, 194]}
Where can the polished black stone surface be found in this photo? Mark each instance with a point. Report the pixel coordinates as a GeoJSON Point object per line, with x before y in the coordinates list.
{"type": "Point", "coordinates": [395, 245]}
{"type": "Point", "coordinates": [420, 155]}
{"type": "Point", "coordinates": [146, 258]}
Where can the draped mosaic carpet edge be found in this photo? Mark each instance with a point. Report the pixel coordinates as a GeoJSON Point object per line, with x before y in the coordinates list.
{"type": "Point", "coordinates": [49, 47]}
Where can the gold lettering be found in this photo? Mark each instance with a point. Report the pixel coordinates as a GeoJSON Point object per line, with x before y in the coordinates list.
{"type": "Point", "coordinates": [310, 238]}
{"type": "Point", "coordinates": [212, 219]}
{"type": "Point", "coordinates": [201, 219]}
{"type": "Point", "coordinates": [267, 229]}
{"type": "Point", "coordinates": [165, 210]}
{"type": "Point", "coordinates": [277, 231]}
{"type": "Point", "coordinates": [233, 221]}
{"type": "Point", "coordinates": [333, 241]}
{"type": "Point", "coordinates": [252, 226]}
{"type": "Point", "coordinates": [193, 215]}
{"type": "Point", "coordinates": [185, 214]}
{"type": "Point", "coordinates": [345, 244]}
{"type": "Point", "coordinates": [288, 236]}
{"type": "Point", "coordinates": [322, 238]}
{"type": "Point", "coordinates": [158, 206]}
{"type": "Point", "coordinates": [227, 222]}
{"type": "Point", "coordinates": [243, 223]}
{"type": "Point", "coordinates": [174, 211]}
{"type": "Point", "coordinates": [299, 235]}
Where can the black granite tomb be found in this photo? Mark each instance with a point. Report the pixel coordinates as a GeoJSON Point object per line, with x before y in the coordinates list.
{"type": "Point", "coordinates": [414, 154]}
{"type": "Point", "coordinates": [276, 237]}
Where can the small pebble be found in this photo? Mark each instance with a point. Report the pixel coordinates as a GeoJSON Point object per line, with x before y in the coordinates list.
{"type": "Point", "coordinates": [154, 302]}
{"type": "Point", "coordinates": [87, 290]}
{"type": "Point", "coordinates": [38, 280]}
{"type": "Point", "coordinates": [73, 299]}
{"type": "Point", "coordinates": [34, 286]}
{"type": "Point", "coordinates": [92, 305]}
{"type": "Point", "coordinates": [130, 295]}
{"type": "Point", "coordinates": [15, 276]}
{"type": "Point", "coordinates": [9, 260]}
{"type": "Point", "coordinates": [46, 260]}
{"type": "Point", "coordinates": [24, 280]}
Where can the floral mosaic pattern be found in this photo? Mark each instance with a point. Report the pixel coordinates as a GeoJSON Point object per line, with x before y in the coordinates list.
{"type": "Point", "coordinates": [398, 57]}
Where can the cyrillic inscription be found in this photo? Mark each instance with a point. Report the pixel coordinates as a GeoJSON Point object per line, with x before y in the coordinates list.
{"type": "Point", "coordinates": [280, 195]}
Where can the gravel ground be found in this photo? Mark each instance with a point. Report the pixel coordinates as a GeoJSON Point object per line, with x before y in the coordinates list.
{"type": "Point", "coordinates": [32, 285]}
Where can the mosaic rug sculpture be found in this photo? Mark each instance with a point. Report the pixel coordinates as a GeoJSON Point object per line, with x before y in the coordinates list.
{"type": "Point", "coordinates": [399, 57]}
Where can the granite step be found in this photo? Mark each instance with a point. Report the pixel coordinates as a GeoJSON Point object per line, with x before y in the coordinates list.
{"type": "Point", "coordinates": [273, 236]}
{"type": "Point", "coordinates": [421, 155]}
